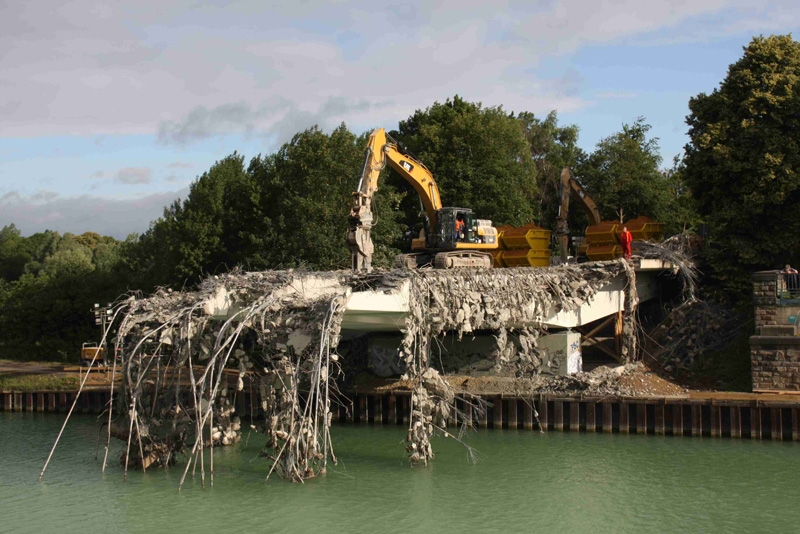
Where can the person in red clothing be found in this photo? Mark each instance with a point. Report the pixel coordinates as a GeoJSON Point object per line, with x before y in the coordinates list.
{"type": "Point", "coordinates": [625, 239]}
{"type": "Point", "coordinates": [460, 227]}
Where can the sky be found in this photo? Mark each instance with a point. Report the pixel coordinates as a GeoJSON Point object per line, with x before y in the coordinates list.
{"type": "Point", "coordinates": [109, 110]}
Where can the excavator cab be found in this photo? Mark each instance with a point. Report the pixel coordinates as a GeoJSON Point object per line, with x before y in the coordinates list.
{"type": "Point", "coordinates": [451, 244]}
{"type": "Point", "coordinates": [474, 231]}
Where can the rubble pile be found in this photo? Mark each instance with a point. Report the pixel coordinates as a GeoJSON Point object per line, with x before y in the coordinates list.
{"type": "Point", "coordinates": [268, 331]}
{"type": "Point", "coordinates": [186, 355]}
{"type": "Point", "coordinates": [677, 250]}
{"type": "Point", "coordinates": [691, 330]}
{"type": "Point", "coordinates": [489, 299]}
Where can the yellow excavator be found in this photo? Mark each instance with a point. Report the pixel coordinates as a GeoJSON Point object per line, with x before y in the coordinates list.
{"type": "Point", "coordinates": [450, 238]}
{"type": "Point", "coordinates": [601, 241]}
{"type": "Point", "coordinates": [567, 187]}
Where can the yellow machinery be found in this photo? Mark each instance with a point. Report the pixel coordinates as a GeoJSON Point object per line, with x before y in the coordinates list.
{"type": "Point", "coordinates": [602, 237]}
{"type": "Point", "coordinates": [527, 246]}
{"type": "Point", "coordinates": [91, 352]}
{"type": "Point", "coordinates": [452, 237]}
{"type": "Point", "coordinates": [602, 240]}
{"type": "Point", "coordinates": [568, 187]}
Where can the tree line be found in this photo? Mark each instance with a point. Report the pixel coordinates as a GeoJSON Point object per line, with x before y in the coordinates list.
{"type": "Point", "coordinates": [289, 208]}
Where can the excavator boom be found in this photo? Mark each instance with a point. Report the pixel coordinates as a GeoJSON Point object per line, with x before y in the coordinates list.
{"type": "Point", "coordinates": [381, 149]}
{"type": "Point", "coordinates": [569, 186]}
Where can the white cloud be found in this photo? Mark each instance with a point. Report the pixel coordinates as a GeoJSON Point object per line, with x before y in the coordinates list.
{"type": "Point", "coordinates": [117, 217]}
{"type": "Point", "coordinates": [189, 72]}
{"type": "Point", "coordinates": [134, 175]}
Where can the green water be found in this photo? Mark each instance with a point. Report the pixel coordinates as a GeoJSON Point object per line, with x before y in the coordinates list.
{"type": "Point", "coordinates": [523, 482]}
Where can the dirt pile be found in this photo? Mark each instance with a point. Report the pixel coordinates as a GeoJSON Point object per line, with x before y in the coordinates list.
{"type": "Point", "coordinates": [630, 380]}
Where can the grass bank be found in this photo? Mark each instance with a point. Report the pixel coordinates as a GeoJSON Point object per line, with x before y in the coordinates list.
{"type": "Point", "coordinates": [38, 382]}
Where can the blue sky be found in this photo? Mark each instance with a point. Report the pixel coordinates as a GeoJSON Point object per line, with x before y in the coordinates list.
{"type": "Point", "coordinates": [108, 111]}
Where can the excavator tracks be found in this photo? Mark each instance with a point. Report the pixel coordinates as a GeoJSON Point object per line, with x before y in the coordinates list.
{"type": "Point", "coordinates": [459, 259]}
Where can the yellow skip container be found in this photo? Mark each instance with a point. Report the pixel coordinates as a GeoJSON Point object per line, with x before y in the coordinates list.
{"type": "Point", "coordinates": [526, 258]}
{"type": "Point", "coordinates": [527, 237]}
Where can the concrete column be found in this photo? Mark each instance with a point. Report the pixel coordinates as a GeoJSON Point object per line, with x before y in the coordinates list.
{"type": "Point", "coordinates": [404, 406]}
{"type": "Point", "coordinates": [659, 419]}
{"type": "Point", "coordinates": [575, 416]}
{"type": "Point", "coordinates": [362, 416]}
{"type": "Point", "coordinates": [468, 416]}
{"type": "Point", "coordinates": [677, 420]}
{"type": "Point", "coordinates": [377, 409]}
{"type": "Point", "coordinates": [512, 413]}
{"type": "Point", "coordinates": [716, 422]}
{"type": "Point", "coordinates": [697, 420]}
{"type": "Point", "coordinates": [51, 402]}
{"type": "Point", "coordinates": [40, 402]}
{"type": "Point", "coordinates": [527, 414]}
{"type": "Point", "coordinates": [558, 415]}
{"type": "Point", "coordinates": [755, 422]}
{"type": "Point", "coordinates": [498, 412]}
{"type": "Point", "coordinates": [736, 422]}
{"type": "Point", "coordinates": [29, 402]}
{"type": "Point", "coordinates": [544, 416]}
{"type": "Point", "coordinates": [391, 412]}
{"type": "Point", "coordinates": [608, 419]}
{"type": "Point", "coordinates": [591, 418]}
{"type": "Point", "coordinates": [6, 401]}
{"type": "Point", "coordinates": [483, 420]}
{"type": "Point", "coordinates": [624, 419]}
{"type": "Point", "coordinates": [17, 402]}
{"type": "Point", "coordinates": [641, 419]}
{"type": "Point", "coordinates": [777, 424]}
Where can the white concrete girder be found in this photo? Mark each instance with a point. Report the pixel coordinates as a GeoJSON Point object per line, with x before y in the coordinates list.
{"type": "Point", "coordinates": [382, 311]}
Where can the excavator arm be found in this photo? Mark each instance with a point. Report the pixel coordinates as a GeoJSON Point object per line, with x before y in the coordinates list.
{"type": "Point", "coordinates": [569, 186]}
{"type": "Point", "coordinates": [382, 149]}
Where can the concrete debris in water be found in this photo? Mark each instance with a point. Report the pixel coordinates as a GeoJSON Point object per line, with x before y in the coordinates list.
{"type": "Point", "coordinates": [186, 355]}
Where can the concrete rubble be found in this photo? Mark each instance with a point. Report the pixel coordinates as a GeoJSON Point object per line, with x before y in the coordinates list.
{"type": "Point", "coordinates": [277, 332]}
{"type": "Point", "coordinates": [693, 330]}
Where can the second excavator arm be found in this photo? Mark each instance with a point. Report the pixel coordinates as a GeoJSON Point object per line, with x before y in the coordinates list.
{"type": "Point", "coordinates": [570, 186]}
{"type": "Point", "coordinates": [382, 149]}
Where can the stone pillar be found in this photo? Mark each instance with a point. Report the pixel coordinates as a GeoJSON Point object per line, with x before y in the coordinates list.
{"type": "Point", "coordinates": [775, 349]}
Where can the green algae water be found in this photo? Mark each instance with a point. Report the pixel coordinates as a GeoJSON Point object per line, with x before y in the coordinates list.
{"type": "Point", "coordinates": [523, 482]}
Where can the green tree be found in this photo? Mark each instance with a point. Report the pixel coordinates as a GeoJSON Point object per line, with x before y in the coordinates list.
{"type": "Point", "coordinates": [44, 306]}
{"type": "Point", "coordinates": [13, 253]}
{"type": "Point", "coordinates": [305, 192]}
{"type": "Point", "coordinates": [286, 209]}
{"type": "Point", "coordinates": [187, 242]}
{"type": "Point", "coordinates": [623, 174]}
{"type": "Point", "coordinates": [479, 156]}
{"type": "Point", "coordinates": [743, 161]}
{"type": "Point", "coordinates": [553, 147]}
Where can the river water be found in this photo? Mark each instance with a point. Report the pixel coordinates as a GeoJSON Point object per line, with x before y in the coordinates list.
{"type": "Point", "coordinates": [524, 481]}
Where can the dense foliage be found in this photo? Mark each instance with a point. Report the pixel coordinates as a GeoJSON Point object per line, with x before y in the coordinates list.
{"type": "Point", "coordinates": [289, 208]}
{"type": "Point", "coordinates": [623, 176]}
{"type": "Point", "coordinates": [743, 162]}
{"type": "Point", "coordinates": [48, 286]}
{"type": "Point", "coordinates": [479, 157]}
